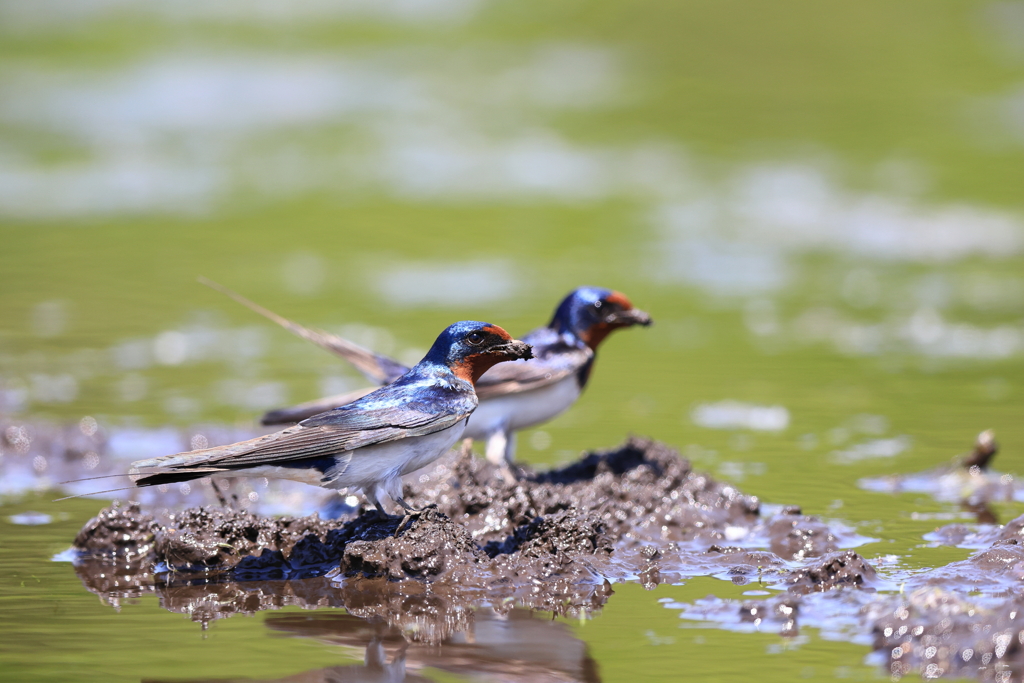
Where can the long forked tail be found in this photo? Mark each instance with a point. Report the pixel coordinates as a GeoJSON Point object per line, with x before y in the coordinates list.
{"type": "Point", "coordinates": [174, 476]}
{"type": "Point", "coordinates": [377, 368]}
{"type": "Point", "coordinates": [187, 466]}
{"type": "Point", "coordinates": [139, 480]}
{"type": "Point", "coordinates": [171, 469]}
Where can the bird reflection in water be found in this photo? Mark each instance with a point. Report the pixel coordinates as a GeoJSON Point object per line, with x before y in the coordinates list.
{"type": "Point", "coordinates": [518, 646]}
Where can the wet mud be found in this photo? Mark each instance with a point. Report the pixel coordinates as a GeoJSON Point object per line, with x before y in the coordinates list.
{"type": "Point", "coordinates": [964, 619]}
{"type": "Point", "coordinates": [485, 549]}
{"type": "Point", "coordinates": [553, 541]}
{"type": "Point", "coordinates": [934, 632]}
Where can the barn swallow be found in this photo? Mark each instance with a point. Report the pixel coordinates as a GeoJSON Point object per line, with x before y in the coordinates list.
{"type": "Point", "coordinates": [368, 444]}
{"type": "Point", "coordinates": [512, 397]}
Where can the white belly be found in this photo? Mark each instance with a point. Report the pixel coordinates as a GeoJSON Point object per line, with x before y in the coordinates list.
{"type": "Point", "coordinates": [520, 411]}
{"type": "Point", "coordinates": [373, 464]}
{"type": "Point", "coordinates": [391, 460]}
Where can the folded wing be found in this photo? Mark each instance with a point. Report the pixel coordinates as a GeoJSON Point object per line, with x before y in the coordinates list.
{"type": "Point", "coordinates": [375, 419]}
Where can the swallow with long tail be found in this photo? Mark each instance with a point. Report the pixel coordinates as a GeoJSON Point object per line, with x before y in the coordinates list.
{"type": "Point", "coordinates": [366, 445]}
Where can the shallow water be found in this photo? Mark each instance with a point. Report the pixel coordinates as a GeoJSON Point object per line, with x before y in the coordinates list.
{"type": "Point", "coordinates": [820, 208]}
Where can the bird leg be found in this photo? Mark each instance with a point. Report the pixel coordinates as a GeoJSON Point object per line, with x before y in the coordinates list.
{"type": "Point", "coordinates": [381, 512]}
{"type": "Point", "coordinates": [500, 449]}
{"type": "Point", "coordinates": [220, 494]}
{"type": "Point", "coordinates": [509, 471]}
{"type": "Point", "coordinates": [497, 441]}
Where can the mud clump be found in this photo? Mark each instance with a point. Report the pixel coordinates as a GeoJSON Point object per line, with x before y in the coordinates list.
{"type": "Point", "coordinates": [431, 546]}
{"type": "Point", "coordinates": [118, 532]}
{"type": "Point", "coordinates": [798, 536]}
{"type": "Point", "coordinates": [562, 535]}
{"type": "Point", "coordinates": [1013, 530]}
{"type": "Point", "coordinates": [998, 568]}
{"type": "Point", "coordinates": [201, 538]}
{"type": "Point", "coordinates": [838, 570]}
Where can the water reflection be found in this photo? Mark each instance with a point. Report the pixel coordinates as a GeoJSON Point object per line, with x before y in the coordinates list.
{"type": "Point", "coordinates": [517, 646]}
{"type": "Point", "coordinates": [377, 666]}
{"type": "Point", "coordinates": [402, 630]}
{"type": "Point", "coordinates": [983, 512]}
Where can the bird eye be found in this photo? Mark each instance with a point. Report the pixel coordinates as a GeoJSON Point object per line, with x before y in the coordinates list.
{"type": "Point", "coordinates": [475, 338]}
{"type": "Point", "coordinates": [598, 303]}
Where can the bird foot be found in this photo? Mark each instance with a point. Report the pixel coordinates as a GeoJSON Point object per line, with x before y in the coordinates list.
{"type": "Point", "coordinates": [409, 516]}
{"type": "Point", "coordinates": [411, 513]}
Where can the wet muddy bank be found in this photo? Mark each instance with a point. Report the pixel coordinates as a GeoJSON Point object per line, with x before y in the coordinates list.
{"type": "Point", "coordinates": [558, 541]}
{"type": "Point", "coordinates": [554, 541]}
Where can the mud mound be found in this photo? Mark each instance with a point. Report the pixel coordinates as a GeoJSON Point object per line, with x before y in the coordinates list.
{"type": "Point", "coordinates": [642, 491]}
{"type": "Point", "coordinates": [552, 540]}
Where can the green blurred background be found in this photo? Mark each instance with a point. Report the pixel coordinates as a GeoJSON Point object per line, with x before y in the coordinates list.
{"type": "Point", "coordinates": [819, 203]}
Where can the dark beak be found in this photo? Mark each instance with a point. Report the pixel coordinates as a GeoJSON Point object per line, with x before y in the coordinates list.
{"type": "Point", "coordinates": [515, 350]}
{"type": "Point", "coordinates": [633, 316]}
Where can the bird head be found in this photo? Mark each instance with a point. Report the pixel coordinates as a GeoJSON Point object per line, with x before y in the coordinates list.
{"type": "Point", "coordinates": [470, 348]}
{"type": "Point", "coordinates": [591, 313]}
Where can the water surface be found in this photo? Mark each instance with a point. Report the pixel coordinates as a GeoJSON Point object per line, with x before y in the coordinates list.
{"type": "Point", "coordinates": [820, 207]}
